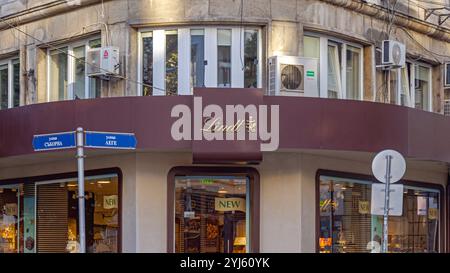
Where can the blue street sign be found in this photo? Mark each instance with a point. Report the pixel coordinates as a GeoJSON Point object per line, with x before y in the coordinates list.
{"type": "Point", "coordinates": [54, 141]}
{"type": "Point", "coordinates": [110, 140]}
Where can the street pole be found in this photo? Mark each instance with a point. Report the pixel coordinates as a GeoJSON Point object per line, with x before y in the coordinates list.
{"type": "Point", "coordinates": [386, 203]}
{"type": "Point", "coordinates": [81, 199]}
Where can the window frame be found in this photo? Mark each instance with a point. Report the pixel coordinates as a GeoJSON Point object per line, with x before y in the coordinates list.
{"type": "Point", "coordinates": [253, 193]}
{"type": "Point", "coordinates": [411, 84]}
{"type": "Point", "coordinates": [52, 178]}
{"type": "Point", "coordinates": [324, 41]}
{"type": "Point", "coordinates": [443, 200]}
{"type": "Point", "coordinates": [210, 55]}
{"type": "Point", "coordinates": [71, 62]}
{"type": "Point", "coordinates": [10, 64]}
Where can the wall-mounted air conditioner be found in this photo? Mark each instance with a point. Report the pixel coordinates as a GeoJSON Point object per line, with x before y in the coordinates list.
{"type": "Point", "coordinates": [447, 74]}
{"type": "Point", "coordinates": [103, 62]}
{"type": "Point", "coordinates": [293, 76]}
{"type": "Point", "coordinates": [393, 54]}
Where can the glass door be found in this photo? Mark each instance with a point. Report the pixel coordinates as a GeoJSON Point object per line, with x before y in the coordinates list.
{"type": "Point", "coordinates": [211, 214]}
{"type": "Point", "coordinates": [11, 221]}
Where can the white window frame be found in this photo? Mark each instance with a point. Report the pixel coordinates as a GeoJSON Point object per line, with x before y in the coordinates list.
{"type": "Point", "coordinates": [70, 67]}
{"type": "Point", "coordinates": [411, 83]}
{"type": "Point", "coordinates": [324, 41]}
{"type": "Point", "coordinates": [9, 63]}
{"type": "Point", "coordinates": [184, 57]}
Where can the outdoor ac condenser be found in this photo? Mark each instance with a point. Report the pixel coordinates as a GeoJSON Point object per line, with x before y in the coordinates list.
{"type": "Point", "coordinates": [103, 62]}
{"type": "Point", "coordinates": [293, 76]}
{"type": "Point", "coordinates": [393, 54]}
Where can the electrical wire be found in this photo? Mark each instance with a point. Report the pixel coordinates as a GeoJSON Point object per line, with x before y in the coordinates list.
{"type": "Point", "coordinates": [78, 59]}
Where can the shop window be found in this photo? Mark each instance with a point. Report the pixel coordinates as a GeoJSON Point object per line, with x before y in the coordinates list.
{"type": "Point", "coordinates": [9, 83]}
{"type": "Point", "coordinates": [177, 60]}
{"type": "Point", "coordinates": [67, 72]}
{"type": "Point", "coordinates": [346, 223]}
{"type": "Point", "coordinates": [11, 219]}
{"type": "Point", "coordinates": [211, 214]}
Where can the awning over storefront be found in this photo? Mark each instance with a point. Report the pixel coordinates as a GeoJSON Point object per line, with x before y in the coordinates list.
{"type": "Point", "coordinates": [304, 123]}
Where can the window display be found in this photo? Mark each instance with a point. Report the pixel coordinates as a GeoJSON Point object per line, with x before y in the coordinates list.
{"type": "Point", "coordinates": [211, 215]}
{"type": "Point", "coordinates": [11, 222]}
{"type": "Point", "coordinates": [346, 224]}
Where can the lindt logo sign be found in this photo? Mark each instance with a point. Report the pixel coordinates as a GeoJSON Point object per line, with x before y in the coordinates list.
{"type": "Point", "coordinates": [232, 122]}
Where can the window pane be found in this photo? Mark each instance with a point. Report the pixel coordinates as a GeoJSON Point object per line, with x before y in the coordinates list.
{"type": "Point", "coordinates": [211, 215]}
{"type": "Point", "coordinates": [334, 78]}
{"type": "Point", "coordinates": [16, 83]}
{"type": "Point", "coordinates": [311, 47]}
{"type": "Point", "coordinates": [96, 43]}
{"type": "Point", "coordinates": [95, 87]}
{"type": "Point", "coordinates": [197, 58]}
{"type": "Point", "coordinates": [422, 87]}
{"type": "Point", "coordinates": [11, 219]}
{"type": "Point", "coordinates": [58, 74]}
{"type": "Point", "coordinates": [4, 86]}
{"type": "Point", "coordinates": [347, 225]}
{"type": "Point", "coordinates": [79, 72]}
{"type": "Point", "coordinates": [57, 216]}
{"type": "Point", "coordinates": [393, 85]}
{"type": "Point", "coordinates": [224, 57]}
{"type": "Point", "coordinates": [251, 58]}
{"type": "Point", "coordinates": [406, 93]}
{"type": "Point", "coordinates": [353, 73]}
{"type": "Point", "coordinates": [171, 62]}
{"type": "Point", "coordinates": [147, 64]}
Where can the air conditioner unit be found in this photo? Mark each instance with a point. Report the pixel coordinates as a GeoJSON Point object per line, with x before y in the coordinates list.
{"type": "Point", "coordinates": [393, 54]}
{"type": "Point", "coordinates": [103, 62]}
{"type": "Point", "coordinates": [447, 74]}
{"type": "Point", "coordinates": [293, 76]}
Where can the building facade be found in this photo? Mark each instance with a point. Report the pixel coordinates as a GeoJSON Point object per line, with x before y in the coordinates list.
{"type": "Point", "coordinates": [311, 194]}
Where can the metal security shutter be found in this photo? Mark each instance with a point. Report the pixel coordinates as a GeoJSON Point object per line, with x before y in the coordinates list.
{"type": "Point", "coordinates": [52, 202]}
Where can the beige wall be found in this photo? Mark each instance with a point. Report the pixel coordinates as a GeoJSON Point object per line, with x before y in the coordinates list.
{"type": "Point", "coordinates": [287, 193]}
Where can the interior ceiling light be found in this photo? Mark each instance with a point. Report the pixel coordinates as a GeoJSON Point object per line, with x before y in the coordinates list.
{"type": "Point", "coordinates": [103, 182]}
{"type": "Point", "coordinates": [222, 190]}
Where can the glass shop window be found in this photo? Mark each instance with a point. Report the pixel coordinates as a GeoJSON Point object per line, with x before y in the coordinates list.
{"type": "Point", "coordinates": [11, 219]}
{"type": "Point", "coordinates": [57, 215]}
{"type": "Point", "coordinates": [211, 215]}
{"type": "Point", "coordinates": [347, 225]}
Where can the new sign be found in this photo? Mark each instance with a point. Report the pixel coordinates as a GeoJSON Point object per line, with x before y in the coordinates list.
{"type": "Point", "coordinates": [229, 204]}
{"type": "Point", "coordinates": [110, 140]}
{"type": "Point", "coordinates": [54, 141]}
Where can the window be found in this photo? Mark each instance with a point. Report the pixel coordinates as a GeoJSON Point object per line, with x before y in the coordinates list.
{"type": "Point", "coordinates": [43, 216]}
{"type": "Point", "coordinates": [9, 83]}
{"type": "Point", "coordinates": [250, 58]}
{"type": "Point", "coordinates": [197, 58]}
{"type": "Point", "coordinates": [224, 57]}
{"type": "Point", "coordinates": [147, 65]}
{"type": "Point", "coordinates": [211, 214]}
{"type": "Point", "coordinates": [171, 62]}
{"type": "Point", "coordinates": [411, 86]}
{"type": "Point", "coordinates": [346, 224]}
{"type": "Point", "coordinates": [343, 63]}
{"type": "Point", "coordinates": [67, 72]}
{"type": "Point", "coordinates": [174, 61]}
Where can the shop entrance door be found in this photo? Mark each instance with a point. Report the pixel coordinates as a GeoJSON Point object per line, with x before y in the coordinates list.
{"type": "Point", "coordinates": [11, 222]}
{"type": "Point", "coordinates": [211, 214]}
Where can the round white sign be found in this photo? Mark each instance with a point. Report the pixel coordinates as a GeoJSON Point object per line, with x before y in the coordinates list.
{"type": "Point", "coordinates": [398, 166]}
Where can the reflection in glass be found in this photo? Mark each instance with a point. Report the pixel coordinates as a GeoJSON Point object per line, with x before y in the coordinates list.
{"type": "Point", "coordinates": [211, 215]}
{"type": "Point", "coordinates": [197, 58]}
{"type": "Point", "coordinates": [250, 58]}
{"type": "Point", "coordinates": [422, 87]}
{"type": "Point", "coordinates": [353, 73]}
{"type": "Point", "coordinates": [4, 86]}
{"type": "Point", "coordinates": [79, 72]}
{"type": "Point", "coordinates": [147, 67]}
{"type": "Point", "coordinates": [58, 74]}
{"type": "Point", "coordinates": [16, 83]}
{"type": "Point", "coordinates": [347, 225]}
{"type": "Point", "coordinates": [171, 62]}
{"type": "Point", "coordinates": [224, 57]}
{"type": "Point", "coordinates": [334, 73]}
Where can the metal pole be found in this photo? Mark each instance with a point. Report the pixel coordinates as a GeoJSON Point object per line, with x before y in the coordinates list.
{"type": "Point", "coordinates": [81, 200]}
{"type": "Point", "coordinates": [386, 203]}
